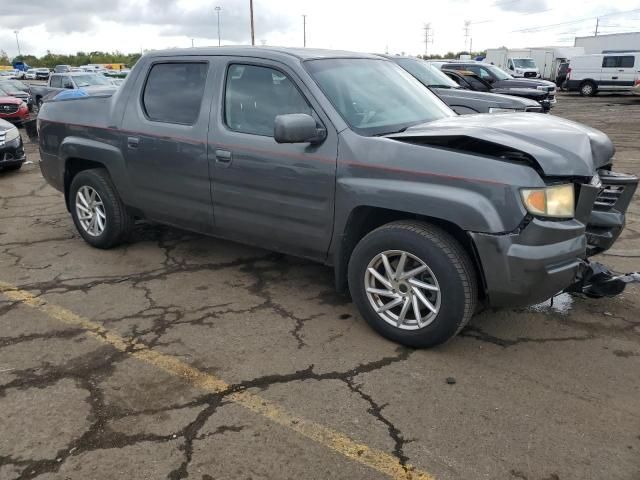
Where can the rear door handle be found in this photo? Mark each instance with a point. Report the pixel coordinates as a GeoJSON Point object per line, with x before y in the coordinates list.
{"type": "Point", "coordinates": [133, 142]}
{"type": "Point", "coordinates": [614, 78]}
{"type": "Point", "coordinates": [223, 156]}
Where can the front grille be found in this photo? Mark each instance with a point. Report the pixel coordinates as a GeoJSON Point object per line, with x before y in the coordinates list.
{"type": "Point", "coordinates": [529, 74]}
{"type": "Point", "coordinates": [8, 108]}
{"type": "Point", "coordinates": [608, 197]}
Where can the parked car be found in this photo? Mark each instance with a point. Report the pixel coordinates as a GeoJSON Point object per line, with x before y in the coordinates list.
{"type": "Point", "coordinates": [498, 78]}
{"type": "Point", "coordinates": [460, 100]}
{"type": "Point", "coordinates": [30, 74]}
{"type": "Point", "coordinates": [13, 109]}
{"type": "Point", "coordinates": [517, 61]}
{"type": "Point", "coordinates": [42, 73]}
{"type": "Point", "coordinates": [72, 80]}
{"type": "Point", "coordinates": [62, 69]}
{"type": "Point", "coordinates": [342, 158]}
{"type": "Point", "coordinates": [12, 154]}
{"type": "Point", "coordinates": [17, 84]}
{"type": "Point", "coordinates": [471, 81]}
{"type": "Point", "coordinates": [609, 72]}
{"type": "Point", "coordinates": [7, 89]}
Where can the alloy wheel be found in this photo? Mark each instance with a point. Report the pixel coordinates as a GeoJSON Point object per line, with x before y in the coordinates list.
{"type": "Point", "coordinates": [402, 290]}
{"type": "Point", "coordinates": [90, 211]}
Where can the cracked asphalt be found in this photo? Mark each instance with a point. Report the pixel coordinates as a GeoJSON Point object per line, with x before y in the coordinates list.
{"type": "Point", "coordinates": [181, 356]}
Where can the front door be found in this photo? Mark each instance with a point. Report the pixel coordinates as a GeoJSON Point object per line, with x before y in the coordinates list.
{"type": "Point", "coordinates": [277, 196]}
{"type": "Point", "coordinates": [165, 131]}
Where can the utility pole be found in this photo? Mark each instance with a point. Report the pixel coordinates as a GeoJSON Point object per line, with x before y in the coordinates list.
{"type": "Point", "coordinates": [467, 32]}
{"type": "Point", "coordinates": [304, 31]}
{"type": "Point", "coordinates": [192, 43]}
{"type": "Point", "coordinates": [597, 23]}
{"type": "Point", "coordinates": [18, 42]}
{"type": "Point", "coordinates": [428, 37]}
{"type": "Point", "coordinates": [253, 36]}
{"type": "Point", "coordinates": [218, 12]}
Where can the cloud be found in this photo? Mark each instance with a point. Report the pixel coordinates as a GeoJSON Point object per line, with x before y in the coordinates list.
{"type": "Point", "coordinates": [196, 18]}
{"type": "Point", "coordinates": [521, 6]}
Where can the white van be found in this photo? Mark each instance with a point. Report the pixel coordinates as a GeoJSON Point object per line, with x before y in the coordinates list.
{"type": "Point", "coordinates": [516, 61]}
{"type": "Point", "coordinates": [604, 72]}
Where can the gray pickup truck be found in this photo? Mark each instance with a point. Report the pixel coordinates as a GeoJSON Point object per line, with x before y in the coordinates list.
{"type": "Point", "coordinates": [345, 159]}
{"type": "Point", "coordinates": [58, 82]}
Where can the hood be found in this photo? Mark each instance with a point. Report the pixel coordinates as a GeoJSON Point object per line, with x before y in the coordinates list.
{"type": "Point", "coordinates": [13, 100]}
{"type": "Point", "coordinates": [522, 92]}
{"type": "Point", "coordinates": [486, 99]}
{"type": "Point", "coordinates": [527, 83]}
{"type": "Point", "coordinates": [558, 147]}
{"type": "Point", "coordinates": [4, 125]}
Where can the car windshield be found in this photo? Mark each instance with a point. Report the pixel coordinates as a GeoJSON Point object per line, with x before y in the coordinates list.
{"type": "Point", "coordinates": [426, 73]}
{"type": "Point", "coordinates": [498, 72]}
{"type": "Point", "coordinates": [90, 79]}
{"type": "Point", "coordinates": [376, 96]}
{"type": "Point", "coordinates": [524, 63]}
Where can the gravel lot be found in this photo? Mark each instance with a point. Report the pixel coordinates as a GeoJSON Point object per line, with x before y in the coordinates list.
{"type": "Point", "coordinates": [181, 356]}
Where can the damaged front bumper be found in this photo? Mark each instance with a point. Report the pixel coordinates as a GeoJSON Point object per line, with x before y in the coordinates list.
{"type": "Point", "coordinates": [545, 257]}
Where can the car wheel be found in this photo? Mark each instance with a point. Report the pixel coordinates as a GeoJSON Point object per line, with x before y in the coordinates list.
{"type": "Point", "coordinates": [588, 89]}
{"type": "Point", "coordinates": [13, 167]}
{"type": "Point", "coordinates": [413, 283]}
{"type": "Point", "coordinates": [97, 210]}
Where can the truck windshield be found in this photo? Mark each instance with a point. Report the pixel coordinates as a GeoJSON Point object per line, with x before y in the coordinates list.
{"type": "Point", "coordinates": [524, 63]}
{"type": "Point", "coordinates": [90, 79]}
{"type": "Point", "coordinates": [375, 97]}
{"type": "Point", "coordinates": [498, 72]}
{"type": "Point", "coordinates": [427, 74]}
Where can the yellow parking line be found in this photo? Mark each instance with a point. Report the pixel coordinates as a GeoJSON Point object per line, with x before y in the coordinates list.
{"type": "Point", "coordinates": [329, 438]}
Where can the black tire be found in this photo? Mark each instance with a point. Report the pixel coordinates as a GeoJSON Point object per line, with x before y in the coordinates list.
{"type": "Point", "coordinates": [11, 168]}
{"type": "Point", "coordinates": [588, 89]}
{"type": "Point", "coordinates": [445, 257]}
{"type": "Point", "coordinates": [118, 223]}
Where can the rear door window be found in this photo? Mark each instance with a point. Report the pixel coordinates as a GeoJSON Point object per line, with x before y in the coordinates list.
{"type": "Point", "coordinates": [627, 61]}
{"type": "Point", "coordinates": [56, 81]}
{"type": "Point", "coordinates": [174, 92]}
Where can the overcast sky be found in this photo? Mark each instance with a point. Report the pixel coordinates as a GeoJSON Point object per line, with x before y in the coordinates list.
{"type": "Point", "coordinates": [69, 26]}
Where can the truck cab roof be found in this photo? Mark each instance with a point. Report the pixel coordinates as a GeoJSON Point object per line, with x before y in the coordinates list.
{"type": "Point", "coordinates": [262, 52]}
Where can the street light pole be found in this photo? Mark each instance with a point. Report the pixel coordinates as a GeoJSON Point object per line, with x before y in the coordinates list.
{"type": "Point", "coordinates": [304, 31]}
{"type": "Point", "coordinates": [18, 43]}
{"type": "Point", "coordinates": [218, 12]}
{"type": "Point", "coordinates": [253, 36]}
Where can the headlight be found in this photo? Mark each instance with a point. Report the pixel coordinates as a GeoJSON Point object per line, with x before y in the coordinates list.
{"type": "Point", "coordinates": [501, 110]}
{"type": "Point", "coordinates": [11, 134]}
{"type": "Point", "coordinates": [557, 201]}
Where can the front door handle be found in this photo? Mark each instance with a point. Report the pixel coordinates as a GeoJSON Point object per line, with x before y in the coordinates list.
{"type": "Point", "coordinates": [614, 78]}
{"type": "Point", "coordinates": [223, 156]}
{"type": "Point", "coordinates": [133, 142]}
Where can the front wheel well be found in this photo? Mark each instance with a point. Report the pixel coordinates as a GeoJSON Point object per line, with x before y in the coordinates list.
{"type": "Point", "coordinates": [364, 219]}
{"type": "Point", "coordinates": [73, 166]}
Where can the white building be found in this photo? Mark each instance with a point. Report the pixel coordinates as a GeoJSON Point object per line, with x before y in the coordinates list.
{"type": "Point", "coordinates": [615, 42]}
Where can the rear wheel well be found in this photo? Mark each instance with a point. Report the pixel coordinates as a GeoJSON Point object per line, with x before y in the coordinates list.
{"type": "Point", "coordinates": [365, 219]}
{"type": "Point", "coordinates": [73, 166]}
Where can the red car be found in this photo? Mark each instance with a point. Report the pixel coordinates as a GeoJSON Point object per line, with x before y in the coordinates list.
{"type": "Point", "coordinates": [13, 110]}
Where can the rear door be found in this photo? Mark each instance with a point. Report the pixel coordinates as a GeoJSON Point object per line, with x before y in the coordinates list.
{"type": "Point", "coordinates": [628, 70]}
{"type": "Point", "coordinates": [278, 196]}
{"type": "Point", "coordinates": [614, 72]}
{"type": "Point", "coordinates": [164, 139]}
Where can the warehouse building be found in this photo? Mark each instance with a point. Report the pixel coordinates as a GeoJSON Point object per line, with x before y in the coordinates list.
{"type": "Point", "coordinates": [615, 42]}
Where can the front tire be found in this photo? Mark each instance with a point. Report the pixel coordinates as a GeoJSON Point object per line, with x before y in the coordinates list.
{"type": "Point", "coordinates": [413, 283]}
{"type": "Point", "coordinates": [11, 168]}
{"type": "Point", "coordinates": [588, 89]}
{"type": "Point", "coordinates": [97, 210]}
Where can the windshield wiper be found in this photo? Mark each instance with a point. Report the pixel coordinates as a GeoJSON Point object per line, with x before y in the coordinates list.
{"type": "Point", "coordinates": [392, 132]}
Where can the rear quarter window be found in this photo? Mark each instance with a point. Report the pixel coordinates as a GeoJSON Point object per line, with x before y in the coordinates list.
{"type": "Point", "coordinates": [173, 92]}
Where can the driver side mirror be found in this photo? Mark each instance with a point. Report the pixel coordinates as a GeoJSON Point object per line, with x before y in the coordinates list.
{"type": "Point", "coordinates": [510, 67]}
{"type": "Point", "coordinates": [297, 128]}
{"type": "Point", "coordinates": [67, 85]}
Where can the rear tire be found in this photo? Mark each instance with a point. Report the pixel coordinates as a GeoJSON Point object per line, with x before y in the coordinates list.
{"type": "Point", "coordinates": [11, 168]}
{"type": "Point", "coordinates": [98, 199]}
{"type": "Point", "coordinates": [447, 282]}
{"type": "Point", "coordinates": [588, 89]}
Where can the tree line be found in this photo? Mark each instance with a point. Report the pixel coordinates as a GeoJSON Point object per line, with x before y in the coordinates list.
{"type": "Point", "coordinates": [50, 60]}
